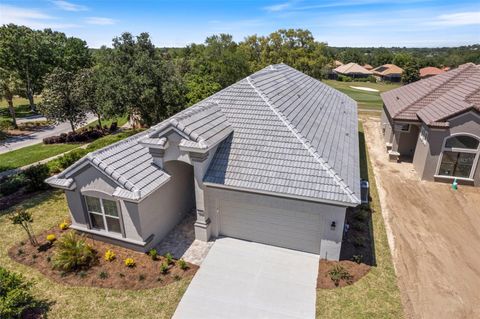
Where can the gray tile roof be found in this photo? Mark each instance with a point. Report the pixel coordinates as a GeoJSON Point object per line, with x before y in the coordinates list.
{"type": "Point", "coordinates": [280, 131]}
{"type": "Point", "coordinates": [292, 135]}
{"type": "Point", "coordinates": [435, 99]}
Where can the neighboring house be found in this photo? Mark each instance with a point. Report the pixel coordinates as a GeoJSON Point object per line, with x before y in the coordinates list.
{"type": "Point", "coordinates": [388, 72]}
{"type": "Point", "coordinates": [337, 63]}
{"type": "Point", "coordinates": [436, 122]}
{"type": "Point", "coordinates": [368, 67]}
{"type": "Point", "coordinates": [429, 71]}
{"type": "Point", "coordinates": [353, 70]}
{"type": "Point", "coordinates": [274, 158]}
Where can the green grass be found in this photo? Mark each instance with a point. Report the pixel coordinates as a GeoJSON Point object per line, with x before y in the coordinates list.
{"type": "Point", "coordinates": [377, 294]}
{"type": "Point", "coordinates": [365, 99]}
{"type": "Point", "coordinates": [120, 121]}
{"type": "Point", "coordinates": [109, 139]}
{"type": "Point", "coordinates": [50, 209]}
{"type": "Point", "coordinates": [31, 154]}
{"type": "Point", "coordinates": [22, 108]}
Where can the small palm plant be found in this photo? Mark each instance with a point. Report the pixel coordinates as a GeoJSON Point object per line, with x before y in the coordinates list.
{"type": "Point", "coordinates": [73, 253]}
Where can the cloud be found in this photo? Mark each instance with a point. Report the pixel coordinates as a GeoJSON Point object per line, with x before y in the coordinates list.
{"type": "Point", "coordinates": [457, 19]}
{"type": "Point", "coordinates": [32, 18]}
{"type": "Point", "coordinates": [100, 21]}
{"type": "Point", "coordinates": [68, 6]}
{"type": "Point", "coordinates": [278, 7]}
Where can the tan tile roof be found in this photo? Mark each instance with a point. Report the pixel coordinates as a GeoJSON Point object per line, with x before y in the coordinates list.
{"type": "Point", "coordinates": [352, 68]}
{"type": "Point", "coordinates": [435, 99]}
{"type": "Point", "coordinates": [368, 67]}
{"type": "Point", "coordinates": [387, 69]}
{"type": "Point", "coordinates": [429, 71]}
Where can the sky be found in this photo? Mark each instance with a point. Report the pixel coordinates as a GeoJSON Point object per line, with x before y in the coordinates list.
{"type": "Point", "coordinates": [352, 23]}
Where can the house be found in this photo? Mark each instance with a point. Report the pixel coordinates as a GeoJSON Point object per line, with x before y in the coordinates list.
{"type": "Point", "coordinates": [352, 70]}
{"type": "Point", "coordinates": [368, 67]}
{"type": "Point", "coordinates": [337, 63]}
{"type": "Point", "coordinates": [436, 123]}
{"type": "Point", "coordinates": [388, 72]}
{"type": "Point", "coordinates": [430, 71]}
{"type": "Point", "coordinates": [274, 158]}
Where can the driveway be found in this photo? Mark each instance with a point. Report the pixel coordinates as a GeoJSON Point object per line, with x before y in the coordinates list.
{"type": "Point", "coordinates": [434, 235]}
{"type": "Point", "coordinates": [241, 279]}
{"type": "Point", "coordinates": [14, 143]}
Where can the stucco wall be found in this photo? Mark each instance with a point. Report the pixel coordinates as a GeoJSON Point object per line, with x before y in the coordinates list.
{"type": "Point", "coordinates": [407, 141]}
{"type": "Point", "coordinates": [430, 154]}
{"type": "Point", "coordinates": [164, 208]}
{"type": "Point", "coordinates": [331, 239]}
{"type": "Point", "coordinates": [386, 126]}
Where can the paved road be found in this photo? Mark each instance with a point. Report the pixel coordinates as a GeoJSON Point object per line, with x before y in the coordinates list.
{"type": "Point", "coordinates": [241, 279]}
{"type": "Point", "coordinates": [14, 143]}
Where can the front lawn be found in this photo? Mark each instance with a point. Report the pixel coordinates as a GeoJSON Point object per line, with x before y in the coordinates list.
{"type": "Point", "coordinates": [49, 209]}
{"type": "Point", "coordinates": [365, 99]}
{"type": "Point", "coordinates": [376, 295]}
{"type": "Point", "coordinates": [31, 154]}
{"type": "Point", "coordinates": [21, 105]}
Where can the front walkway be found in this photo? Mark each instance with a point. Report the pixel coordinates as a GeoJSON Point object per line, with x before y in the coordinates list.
{"type": "Point", "coordinates": [241, 279]}
{"type": "Point", "coordinates": [433, 233]}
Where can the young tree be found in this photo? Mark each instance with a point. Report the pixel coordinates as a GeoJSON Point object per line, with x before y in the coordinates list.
{"type": "Point", "coordinates": [9, 86]}
{"type": "Point", "coordinates": [60, 103]}
{"type": "Point", "coordinates": [85, 92]}
{"type": "Point", "coordinates": [23, 218]}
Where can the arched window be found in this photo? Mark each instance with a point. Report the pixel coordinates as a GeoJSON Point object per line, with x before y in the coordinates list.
{"type": "Point", "coordinates": [459, 156]}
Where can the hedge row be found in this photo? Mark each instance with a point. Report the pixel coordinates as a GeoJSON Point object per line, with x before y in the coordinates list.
{"type": "Point", "coordinates": [85, 135]}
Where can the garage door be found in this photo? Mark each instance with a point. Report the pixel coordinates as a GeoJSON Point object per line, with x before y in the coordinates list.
{"type": "Point", "coordinates": [289, 229]}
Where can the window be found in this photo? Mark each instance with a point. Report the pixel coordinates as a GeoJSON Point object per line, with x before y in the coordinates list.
{"type": "Point", "coordinates": [459, 156]}
{"type": "Point", "coordinates": [423, 135]}
{"type": "Point", "coordinates": [402, 127]}
{"type": "Point", "coordinates": [103, 214]}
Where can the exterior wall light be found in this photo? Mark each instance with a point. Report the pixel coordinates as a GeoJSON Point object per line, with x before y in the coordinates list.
{"type": "Point", "coordinates": [333, 225]}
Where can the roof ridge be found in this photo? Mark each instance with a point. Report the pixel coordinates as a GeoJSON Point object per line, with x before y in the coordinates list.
{"type": "Point", "coordinates": [442, 85]}
{"type": "Point", "coordinates": [305, 143]}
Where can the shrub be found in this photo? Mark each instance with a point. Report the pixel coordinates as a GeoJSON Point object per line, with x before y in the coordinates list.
{"type": "Point", "coordinates": [169, 258]}
{"type": "Point", "coordinates": [23, 218]}
{"type": "Point", "coordinates": [177, 277]}
{"type": "Point", "coordinates": [358, 241]}
{"type": "Point", "coordinates": [129, 262]}
{"type": "Point", "coordinates": [153, 254]}
{"type": "Point", "coordinates": [360, 226]}
{"type": "Point", "coordinates": [361, 215]}
{"type": "Point", "coordinates": [63, 226]}
{"type": "Point", "coordinates": [343, 78]}
{"type": "Point", "coordinates": [82, 274]}
{"type": "Point", "coordinates": [20, 252]}
{"type": "Point", "coordinates": [12, 183]}
{"type": "Point", "coordinates": [182, 264]}
{"type": "Point", "coordinates": [113, 127]}
{"type": "Point", "coordinates": [15, 295]}
{"type": "Point", "coordinates": [338, 273]}
{"type": "Point", "coordinates": [103, 275]}
{"type": "Point", "coordinates": [141, 277]}
{"type": "Point", "coordinates": [73, 253]}
{"type": "Point", "coordinates": [51, 238]}
{"type": "Point", "coordinates": [164, 268]}
{"type": "Point", "coordinates": [109, 255]}
{"type": "Point", "coordinates": [35, 175]}
{"type": "Point", "coordinates": [71, 157]}
{"type": "Point", "coordinates": [357, 258]}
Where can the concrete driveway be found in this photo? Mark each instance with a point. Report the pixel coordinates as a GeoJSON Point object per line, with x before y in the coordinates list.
{"type": "Point", "coordinates": [433, 234]}
{"type": "Point", "coordinates": [241, 279]}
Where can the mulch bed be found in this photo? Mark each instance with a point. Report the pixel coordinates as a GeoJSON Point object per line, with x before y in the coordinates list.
{"type": "Point", "coordinates": [356, 271]}
{"type": "Point", "coordinates": [146, 274]}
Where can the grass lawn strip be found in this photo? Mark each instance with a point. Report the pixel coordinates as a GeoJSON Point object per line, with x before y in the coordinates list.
{"type": "Point", "coordinates": [376, 295]}
{"type": "Point", "coordinates": [48, 210]}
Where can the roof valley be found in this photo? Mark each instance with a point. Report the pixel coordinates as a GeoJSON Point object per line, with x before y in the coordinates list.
{"type": "Point", "coordinates": [304, 142]}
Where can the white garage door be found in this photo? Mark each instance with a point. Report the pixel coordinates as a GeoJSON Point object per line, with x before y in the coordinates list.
{"type": "Point", "coordinates": [289, 229]}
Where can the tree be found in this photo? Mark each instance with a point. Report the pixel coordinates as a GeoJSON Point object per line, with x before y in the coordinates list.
{"type": "Point", "coordinates": [9, 86]}
{"type": "Point", "coordinates": [403, 59]}
{"type": "Point", "coordinates": [134, 79]}
{"type": "Point", "coordinates": [23, 218]}
{"type": "Point", "coordinates": [410, 73]}
{"type": "Point", "coordinates": [60, 103]}
{"type": "Point", "coordinates": [200, 87]}
{"type": "Point", "coordinates": [85, 92]}
{"type": "Point", "coordinates": [352, 55]}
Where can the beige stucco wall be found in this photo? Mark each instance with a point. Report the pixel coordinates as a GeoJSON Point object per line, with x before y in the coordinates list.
{"type": "Point", "coordinates": [407, 141]}
{"type": "Point", "coordinates": [331, 239]}
{"type": "Point", "coordinates": [427, 156]}
{"type": "Point", "coordinates": [386, 126]}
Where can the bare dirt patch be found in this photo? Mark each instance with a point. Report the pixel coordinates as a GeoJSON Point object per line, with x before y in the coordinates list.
{"type": "Point", "coordinates": [355, 270]}
{"type": "Point", "coordinates": [433, 234]}
{"type": "Point", "coordinates": [106, 274]}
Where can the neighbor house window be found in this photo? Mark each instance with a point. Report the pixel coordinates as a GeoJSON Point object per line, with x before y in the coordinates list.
{"type": "Point", "coordinates": [460, 153]}
{"type": "Point", "coordinates": [103, 214]}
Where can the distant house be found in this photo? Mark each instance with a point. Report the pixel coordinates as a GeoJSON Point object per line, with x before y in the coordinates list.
{"type": "Point", "coordinates": [353, 70]}
{"type": "Point", "coordinates": [368, 67]}
{"type": "Point", "coordinates": [388, 72]}
{"type": "Point", "coordinates": [436, 123]}
{"type": "Point", "coordinates": [337, 63]}
{"type": "Point", "coordinates": [429, 71]}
